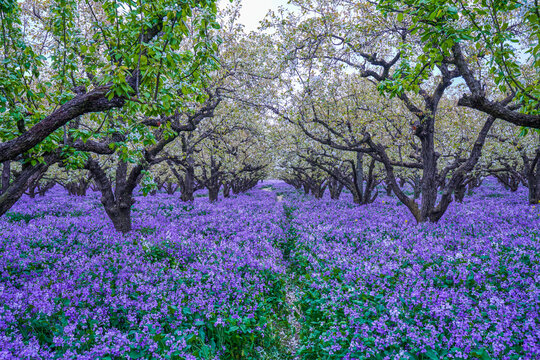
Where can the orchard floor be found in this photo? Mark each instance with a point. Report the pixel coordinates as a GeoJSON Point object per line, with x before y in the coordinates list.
{"type": "Point", "coordinates": [254, 277]}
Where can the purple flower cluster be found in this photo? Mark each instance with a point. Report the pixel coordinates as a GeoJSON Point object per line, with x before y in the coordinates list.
{"type": "Point", "coordinates": [192, 280]}
{"type": "Point", "coordinates": [214, 281]}
{"type": "Point", "coordinates": [375, 285]}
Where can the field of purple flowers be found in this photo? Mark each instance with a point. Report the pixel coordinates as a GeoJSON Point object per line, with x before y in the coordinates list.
{"type": "Point", "coordinates": [215, 281]}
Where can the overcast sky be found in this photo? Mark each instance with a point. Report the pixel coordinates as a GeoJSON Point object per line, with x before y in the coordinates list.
{"type": "Point", "coordinates": [254, 11]}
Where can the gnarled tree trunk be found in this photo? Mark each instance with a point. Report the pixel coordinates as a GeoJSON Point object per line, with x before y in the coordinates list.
{"type": "Point", "coordinates": [459, 193]}
{"type": "Point", "coordinates": [77, 188]}
{"type": "Point", "coordinates": [335, 188]}
{"type": "Point", "coordinates": [170, 187]}
{"type": "Point", "coordinates": [213, 193]}
{"type": "Point", "coordinates": [533, 180]}
{"type": "Point", "coordinates": [117, 203]}
{"type": "Point", "coordinates": [318, 188]}
{"type": "Point", "coordinates": [388, 188]}
{"type": "Point", "coordinates": [120, 215]}
{"type": "Point", "coordinates": [509, 180]}
{"type": "Point", "coordinates": [363, 185]}
{"type": "Point", "coordinates": [21, 182]}
{"type": "Point", "coordinates": [534, 188]}
{"type": "Point", "coordinates": [43, 188]}
{"type": "Point", "coordinates": [212, 179]}
{"type": "Point", "coordinates": [187, 186]}
{"type": "Point", "coordinates": [186, 180]}
{"type": "Point", "coordinates": [6, 175]}
{"type": "Point", "coordinates": [226, 190]}
{"type": "Point", "coordinates": [33, 186]}
{"type": "Point", "coordinates": [532, 171]}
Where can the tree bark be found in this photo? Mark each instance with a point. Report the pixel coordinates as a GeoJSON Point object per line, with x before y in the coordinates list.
{"type": "Point", "coordinates": [213, 193]}
{"type": "Point", "coordinates": [226, 190]}
{"type": "Point", "coordinates": [478, 98]}
{"type": "Point", "coordinates": [417, 187]}
{"type": "Point", "coordinates": [6, 174]}
{"type": "Point", "coordinates": [459, 193]}
{"type": "Point", "coordinates": [360, 175]}
{"type": "Point", "coordinates": [120, 215]}
{"type": "Point", "coordinates": [77, 188]}
{"type": "Point", "coordinates": [509, 181]}
{"type": "Point", "coordinates": [363, 185]}
{"type": "Point", "coordinates": [117, 203]}
{"type": "Point", "coordinates": [532, 168]}
{"type": "Point", "coordinates": [20, 184]}
{"type": "Point", "coordinates": [429, 181]}
{"type": "Point", "coordinates": [43, 188]}
{"type": "Point", "coordinates": [534, 188]}
{"type": "Point", "coordinates": [188, 187]}
{"type": "Point", "coordinates": [318, 189]}
{"type": "Point", "coordinates": [186, 180]}
{"type": "Point", "coordinates": [335, 187]}
{"type": "Point", "coordinates": [388, 188]}
{"type": "Point", "coordinates": [93, 101]}
{"type": "Point", "coordinates": [170, 187]}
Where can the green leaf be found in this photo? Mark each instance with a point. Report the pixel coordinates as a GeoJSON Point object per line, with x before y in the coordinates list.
{"type": "Point", "coordinates": [524, 131]}
{"type": "Point", "coordinates": [432, 355]}
{"type": "Point", "coordinates": [135, 354]}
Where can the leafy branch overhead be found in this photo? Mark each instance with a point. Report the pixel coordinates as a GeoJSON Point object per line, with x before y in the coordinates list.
{"type": "Point", "coordinates": [81, 57]}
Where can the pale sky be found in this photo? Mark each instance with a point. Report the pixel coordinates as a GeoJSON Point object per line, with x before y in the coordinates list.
{"type": "Point", "coordinates": [254, 11]}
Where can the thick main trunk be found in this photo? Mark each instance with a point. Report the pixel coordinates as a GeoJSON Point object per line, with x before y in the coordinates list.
{"type": "Point", "coordinates": [117, 203]}
{"type": "Point", "coordinates": [509, 180]}
{"type": "Point", "coordinates": [6, 173]}
{"type": "Point", "coordinates": [213, 193]}
{"type": "Point", "coordinates": [212, 178]}
{"type": "Point", "coordinates": [459, 193]}
{"type": "Point", "coordinates": [335, 188]}
{"type": "Point", "coordinates": [534, 186]}
{"type": "Point", "coordinates": [318, 191]}
{"type": "Point", "coordinates": [360, 174]}
{"type": "Point", "coordinates": [120, 215]}
{"type": "Point", "coordinates": [188, 186]}
{"type": "Point", "coordinates": [416, 186]}
{"type": "Point", "coordinates": [118, 208]}
{"type": "Point", "coordinates": [417, 192]}
{"type": "Point", "coordinates": [32, 187]}
{"type": "Point", "coordinates": [533, 176]}
{"type": "Point", "coordinates": [77, 189]}
{"type": "Point", "coordinates": [43, 188]}
{"type": "Point", "coordinates": [356, 186]}
{"type": "Point", "coordinates": [32, 191]}
{"type": "Point", "coordinates": [35, 186]}
{"type": "Point", "coordinates": [170, 188]}
{"type": "Point", "coordinates": [363, 185]}
{"type": "Point", "coordinates": [226, 190]}
{"type": "Point", "coordinates": [388, 189]}
{"type": "Point", "coordinates": [17, 188]}
{"type": "Point", "coordinates": [429, 182]}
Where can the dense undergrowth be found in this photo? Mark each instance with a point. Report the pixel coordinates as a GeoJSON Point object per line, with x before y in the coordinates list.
{"type": "Point", "coordinates": [203, 281]}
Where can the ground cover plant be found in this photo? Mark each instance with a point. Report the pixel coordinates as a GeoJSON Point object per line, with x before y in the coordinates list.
{"type": "Point", "coordinates": [376, 286]}
{"type": "Point", "coordinates": [212, 281]}
{"type": "Point", "coordinates": [192, 281]}
{"type": "Point", "coordinates": [343, 179]}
